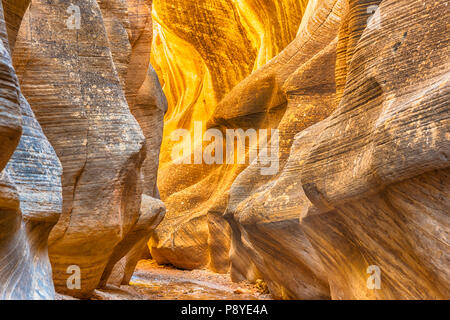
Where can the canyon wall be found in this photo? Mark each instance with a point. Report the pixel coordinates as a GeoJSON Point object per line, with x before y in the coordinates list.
{"type": "Point", "coordinates": [360, 101]}
{"type": "Point", "coordinates": [352, 94]}
{"type": "Point", "coordinates": [201, 50]}
{"type": "Point", "coordinates": [84, 68]}
{"type": "Point", "coordinates": [30, 185]}
{"type": "Point", "coordinates": [367, 188]}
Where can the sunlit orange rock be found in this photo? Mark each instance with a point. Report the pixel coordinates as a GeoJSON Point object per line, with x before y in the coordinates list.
{"type": "Point", "coordinates": [352, 96]}
{"type": "Point", "coordinates": [359, 99]}
{"type": "Point", "coordinates": [199, 61]}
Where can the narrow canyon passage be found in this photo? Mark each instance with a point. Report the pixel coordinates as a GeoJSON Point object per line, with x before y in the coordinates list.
{"type": "Point", "coordinates": [224, 149]}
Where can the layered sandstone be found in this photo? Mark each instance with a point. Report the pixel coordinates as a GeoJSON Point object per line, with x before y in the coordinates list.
{"type": "Point", "coordinates": [30, 185]}
{"type": "Point", "coordinates": [148, 104]}
{"type": "Point", "coordinates": [391, 202]}
{"type": "Point", "coordinates": [367, 186]}
{"type": "Point", "coordinates": [200, 60]}
{"type": "Point", "coordinates": [357, 91]}
{"type": "Point", "coordinates": [77, 82]}
{"type": "Point", "coordinates": [263, 210]}
{"type": "Point", "coordinates": [359, 98]}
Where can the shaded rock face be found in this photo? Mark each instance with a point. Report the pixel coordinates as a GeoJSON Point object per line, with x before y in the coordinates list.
{"type": "Point", "coordinates": [78, 82]}
{"type": "Point", "coordinates": [30, 180]}
{"type": "Point", "coordinates": [148, 104]}
{"type": "Point", "coordinates": [200, 60]}
{"type": "Point", "coordinates": [364, 189]}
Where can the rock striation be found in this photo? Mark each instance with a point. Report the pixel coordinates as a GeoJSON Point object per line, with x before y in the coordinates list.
{"type": "Point", "coordinates": [364, 189]}
{"type": "Point", "coordinates": [199, 61]}
{"type": "Point", "coordinates": [78, 81]}
{"type": "Point", "coordinates": [30, 180]}
{"type": "Point", "coordinates": [148, 104]}
{"type": "Point", "coordinates": [359, 97]}
{"type": "Point", "coordinates": [351, 95]}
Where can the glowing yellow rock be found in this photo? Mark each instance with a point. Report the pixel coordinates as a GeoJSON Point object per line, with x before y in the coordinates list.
{"type": "Point", "coordinates": [201, 50]}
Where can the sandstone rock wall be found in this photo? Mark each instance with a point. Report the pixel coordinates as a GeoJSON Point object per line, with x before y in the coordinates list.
{"type": "Point", "coordinates": [360, 100]}
{"type": "Point", "coordinates": [264, 210]}
{"type": "Point", "coordinates": [77, 81]}
{"type": "Point", "coordinates": [394, 113]}
{"type": "Point", "coordinates": [357, 91]}
{"type": "Point", "coordinates": [30, 192]}
{"type": "Point", "coordinates": [200, 60]}
{"type": "Point", "coordinates": [205, 48]}
{"type": "Point", "coordinates": [148, 104]}
{"type": "Point", "coordinates": [366, 187]}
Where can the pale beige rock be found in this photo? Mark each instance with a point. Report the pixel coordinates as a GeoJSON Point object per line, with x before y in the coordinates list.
{"type": "Point", "coordinates": [30, 192]}
{"type": "Point", "coordinates": [148, 104]}
{"type": "Point", "coordinates": [264, 210]}
{"type": "Point", "coordinates": [85, 114]}
{"type": "Point", "coordinates": [392, 127]}
{"type": "Point", "coordinates": [129, 251]}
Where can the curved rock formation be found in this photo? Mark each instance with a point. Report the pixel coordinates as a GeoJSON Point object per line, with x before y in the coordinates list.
{"type": "Point", "coordinates": [30, 192]}
{"type": "Point", "coordinates": [351, 95]}
{"type": "Point", "coordinates": [359, 99]}
{"type": "Point", "coordinates": [148, 104]}
{"type": "Point", "coordinates": [390, 203]}
{"type": "Point", "coordinates": [200, 61]}
{"type": "Point", "coordinates": [365, 188]}
{"type": "Point", "coordinates": [76, 80]}
{"type": "Point", "coordinates": [264, 210]}
{"type": "Point", "coordinates": [205, 57]}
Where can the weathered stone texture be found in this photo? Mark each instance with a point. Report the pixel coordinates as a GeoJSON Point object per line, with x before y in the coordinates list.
{"type": "Point", "coordinates": [148, 104]}
{"type": "Point", "coordinates": [357, 90]}
{"type": "Point", "coordinates": [200, 61]}
{"type": "Point", "coordinates": [30, 195]}
{"type": "Point", "coordinates": [368, 185]}
{"type": "Point", "coordinates": [75, 81]}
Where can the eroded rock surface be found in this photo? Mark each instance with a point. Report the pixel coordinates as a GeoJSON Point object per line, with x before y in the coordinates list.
{"type": "Point", "coordinates": [77, 83]}
{"type": "Point", "coordinates": [200, 61]}
{"type": "Point", "coordinates": [148, 104]}
{"type": "Point", "coordinates": [30, 192]}
{"type": "Point", "coordinates": [357, 91]}
{"type": "Point", "coordinates": [360, 101]}
{"type": "Point", "coordinates": [366, 187]}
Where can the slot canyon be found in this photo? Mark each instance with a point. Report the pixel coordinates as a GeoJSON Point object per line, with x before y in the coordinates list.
{"type": "Point", "coordinates": [224, 149]}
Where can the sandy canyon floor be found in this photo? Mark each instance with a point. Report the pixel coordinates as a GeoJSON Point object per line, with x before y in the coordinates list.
{"type": "Point", "coordinates": [154, 282]}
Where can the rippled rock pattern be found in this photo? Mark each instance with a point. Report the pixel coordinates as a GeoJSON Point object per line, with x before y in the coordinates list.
{"type": "Point", "coordinates": [357, 90]}
{"type": "Point", "coordinates": [367, 187]}
{"type": "Point", "coordinates": [76, 81]}
{"type": "Point", "coordinates": [30, 184]}
{"type": "Point", "coordinates": [360, 99]}
{"type": "Point", "coordinates": [148, 104]}
{"type": "Point", "coordinates": [200, 60]}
